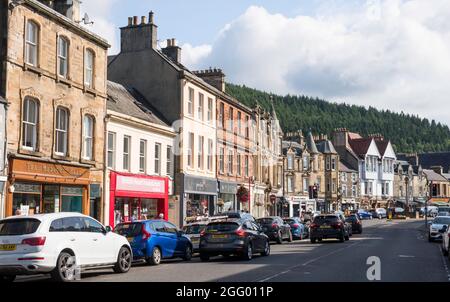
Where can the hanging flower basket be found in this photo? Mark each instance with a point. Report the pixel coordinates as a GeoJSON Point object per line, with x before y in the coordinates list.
{"type": "Point", "coordinates": [220, 202]}
{"type": "Point", "coordinates": [242, 194]}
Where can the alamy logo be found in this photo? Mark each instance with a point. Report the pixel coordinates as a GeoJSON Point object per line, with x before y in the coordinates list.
{"type": "Point", "coordinates": [374, 270]}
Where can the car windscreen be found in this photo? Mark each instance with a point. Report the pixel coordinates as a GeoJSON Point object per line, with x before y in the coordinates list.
{"type": "Point", "coordinates": [441, 220]}
{"type": "Point", "coordinates": [128, 229]}
{"type": "Point", "coordinates": [325, 219]}
{"type": "Point", "coordinates": [350, 219]}
{"type": "Point", "coordinates": [194, 229]}
{"type": "Point", "coordinates": [15, 227]}
{"type": "Point", "coordinates": [222, 227]}
{"type": "Point", "coordinates": [265, 220]}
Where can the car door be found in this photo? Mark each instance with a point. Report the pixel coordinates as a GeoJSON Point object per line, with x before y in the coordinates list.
{"type": "Point", "coordinates": [284, 227]}
{"type": "Point", "coordinates": [162, 239]}
{"type": "Point", "coordinates": [260, 237]}
{"type": "Point", "coordinates": [171, 232]}
{"type": "Point", "coordinates": [101, 242]}
{"type": "Point", "coordinates": [251, 234]}
{"type": "Point", "coordinates": [77, 236]}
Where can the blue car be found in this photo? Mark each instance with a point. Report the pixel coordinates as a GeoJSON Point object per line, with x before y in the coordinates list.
{"type": "Point", "coordinates": [154, 240]}
{"type": "Point", "coordinates": [364, 215]}
{"type": "Point", "coordinates": [298, 229]}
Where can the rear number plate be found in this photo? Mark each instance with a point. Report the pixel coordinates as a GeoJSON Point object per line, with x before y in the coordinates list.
{"type": "Point", "coordinates": [7, 247]}
{"type": "Point", "coordinates": [219, 236]}
{"type": "Point", "coordinates": [325, 227]}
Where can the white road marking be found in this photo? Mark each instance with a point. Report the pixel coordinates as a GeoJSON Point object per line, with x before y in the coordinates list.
{"type": "Point", "coordinates": [406, 256]}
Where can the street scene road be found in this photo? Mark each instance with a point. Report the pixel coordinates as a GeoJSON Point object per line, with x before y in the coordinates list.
{"type": "Point", "coordinates": [401, 245]}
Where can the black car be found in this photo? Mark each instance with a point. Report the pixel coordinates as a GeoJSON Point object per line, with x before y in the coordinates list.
{"type": "Point", "coordinates": [355, 222]}
{"type": "Point", "coordinates": [275, 228]}
{"type": "Point", "coordinates": [233, 237]}
{"type": "Point", "coordinates": [237, 215]}
{"type": "Point", "coordinates": [327, 226]}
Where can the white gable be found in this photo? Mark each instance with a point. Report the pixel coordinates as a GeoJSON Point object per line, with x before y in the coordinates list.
{"type": "Point", "coordinates": [373, 149]}
{"type": "Point", "coordinates": [390, 153]}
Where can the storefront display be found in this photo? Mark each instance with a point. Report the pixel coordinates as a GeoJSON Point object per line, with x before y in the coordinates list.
{"type": "Point", "coordinates": [137, 197]}
{"type": "Point", "coordinates": [227, 197]}
{"type": "Point", "coordinates": [200, 196]}
{"type": "Point", "coordinates": [44, 187]}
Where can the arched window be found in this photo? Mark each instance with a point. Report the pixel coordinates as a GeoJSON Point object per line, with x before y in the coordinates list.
{"type": "Point", "coordinates": [89, 68]}
{"type": "Point", "coordinates": [32, 43]}
{"type": "Point", "coordinates": [61, 130]}
{"type": "Point", "coordinates": [63, 56]}
{"type": "Point", "coordinates": [30, 116]}
{"type": "Point", "coordinates": [88, 137]}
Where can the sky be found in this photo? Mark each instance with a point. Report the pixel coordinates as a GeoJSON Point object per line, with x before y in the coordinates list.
{"type": "Point", "coordinates": [389, 54]}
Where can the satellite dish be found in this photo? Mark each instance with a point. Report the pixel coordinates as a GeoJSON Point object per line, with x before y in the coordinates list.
{"type": "Point", "coordinates": [87, 20]}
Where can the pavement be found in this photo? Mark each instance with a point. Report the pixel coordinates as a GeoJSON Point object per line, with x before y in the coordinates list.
{"type": "Point", "coordinates": [402, 247]}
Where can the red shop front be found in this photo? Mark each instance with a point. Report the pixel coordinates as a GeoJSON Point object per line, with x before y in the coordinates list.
{"type": "Point", "coordinates": [137, 197]}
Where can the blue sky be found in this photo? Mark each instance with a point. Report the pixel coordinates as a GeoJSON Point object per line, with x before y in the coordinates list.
{"type": "Point", "coordinates": [390, 54]}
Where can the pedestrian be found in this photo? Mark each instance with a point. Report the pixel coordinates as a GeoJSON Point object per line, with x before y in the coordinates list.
{"type": "Point", "coordinates": [161, 216]}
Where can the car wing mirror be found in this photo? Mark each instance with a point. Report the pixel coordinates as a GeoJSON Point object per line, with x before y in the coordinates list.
{"type": "Point", "coordinates": [107, 229]}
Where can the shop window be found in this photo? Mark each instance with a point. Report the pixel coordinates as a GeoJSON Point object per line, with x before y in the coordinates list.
{"type": "Point", "coordinates": [126, 152]}
{"type": "Point", "coordinates": [88, 137]}
{"type": "Point", "coordinates": [30, 118]}
{"type": "Point", "coordinates": [26, 198]}
{"type": "Point", "coordinates": [63, 56]}
{"type": "Point", "coordinates": [32, 43]}
{"type": "Point", "coordinates": [72, 199]}
{"type": "Point", "coordinates": [157, 158]}
{"type": "Point", "coordinates": [111, 150]}
{"type": "Point", "coordinates": [61, 131]}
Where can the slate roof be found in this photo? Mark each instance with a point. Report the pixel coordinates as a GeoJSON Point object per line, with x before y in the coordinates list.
{"type": "Point", "coordinates": [433, 176]}
{"type": "Point", "coordinates": [360, 146]}
{"type": "Point", "coordinates": [382, 146]}
{"type": "Point", "coordinates": [345, 167]}
{"type": "Point", "coordinates": [129, 101]}
{"type": "Point", "coordinates": [326, 147]}
{"type": "Point", "coordinates": [310, 144]}
{"type": "Point", "coordinates": [293, 145]}
{"type": "Point", "coordinates": [427, 160]}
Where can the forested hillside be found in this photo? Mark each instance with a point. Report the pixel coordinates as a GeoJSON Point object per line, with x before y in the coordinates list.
{"type": "Point", "coordinates": [408, 133]}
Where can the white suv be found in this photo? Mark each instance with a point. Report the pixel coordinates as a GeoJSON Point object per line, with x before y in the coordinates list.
{"type": "Point", "coordinates": [62, 244]}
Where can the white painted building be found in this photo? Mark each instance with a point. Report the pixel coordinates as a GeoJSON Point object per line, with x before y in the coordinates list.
{"type": "Point", "coordinates": [139, 155]}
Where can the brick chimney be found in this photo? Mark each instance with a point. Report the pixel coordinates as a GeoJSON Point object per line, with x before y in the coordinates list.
{"type": "Point", "coordinates": [438, 169]}
{"type": "Point", "coordinates": [139, 35]}
{"type": "Point", "coordinates": [296, 136]}
{"type": "Point", "coordinates": [214, 77]}
{"type": "Point", "coordinates": [340, 137]}
{"type": "Point", "coordinates": [68, 8]}
{"type": "Point", "coordinates": [172, 50]}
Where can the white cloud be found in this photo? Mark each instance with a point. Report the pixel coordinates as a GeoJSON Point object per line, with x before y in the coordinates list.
{"type": "Point", "coordinates": [391, 54]}
{"type": "Point", "coordinates": [99, 12]}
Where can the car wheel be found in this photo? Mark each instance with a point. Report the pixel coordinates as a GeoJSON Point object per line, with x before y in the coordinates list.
{"type": "Point", "coordinates": [266, 251]}
{"type": "Point", "coordinates": [347, 238]}
{"type": "Point", "coordinates": [204, 257]}
{"type": "Point", "coordinates": [313, 240]}
{"type": "Point", "coordinates": [155, 258]}
{"type": "Point", "coordinates": [342, 238]}
{"type": "Point", "coordinates": [65, 268]}
{"type": "Point", "coordinates": [124, 261]}
{"type": "Point", "coordinates": [280, 238]}
{"type": "Point", "coordinates": [7, 279]}
{"type": "Point", "coordinates": [290, 237]}
{"type": "Point", "coordinates": [187, 253]}
{"type": "Point", "coordinates": [248, 255]}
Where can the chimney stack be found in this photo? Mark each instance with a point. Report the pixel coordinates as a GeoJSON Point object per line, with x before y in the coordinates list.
{"type": "Point", "coordinates": [340, 137]}
{"type": "Point", "coordinates": [172, 50]}
{"type": "Point", "coordinates": [139, 36]}
{"type": "Point", "coordinates": [68, 8]}
{"type": "Point", "coordinates": [214, 77]}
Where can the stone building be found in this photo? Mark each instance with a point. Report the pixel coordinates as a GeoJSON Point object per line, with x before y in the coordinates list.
{"type": "Point", "coordinates": [55, 85]}
{"type": "Point", "coordinates": [185, 101]}
{"type": "Point", "coordinates": [330, 164]}
{"type": "Point", "coordinates": [410, 186]}
{"type": "Point", "coordinates": [235, 147]}
{"type": "Point", "coordinates": [348, 191]}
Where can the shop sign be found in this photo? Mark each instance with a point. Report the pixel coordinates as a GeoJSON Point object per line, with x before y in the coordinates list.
{"type": "Point", "coordinates": [74, 191]}
{"type": "Point", "coordinates": [140, 184]}
{"type": "Point", "coordinates": [27, 188]}
{"type": "Point", "coordinates": [227, 187]}
{"type": "Point", "coordinates": [200, 185]}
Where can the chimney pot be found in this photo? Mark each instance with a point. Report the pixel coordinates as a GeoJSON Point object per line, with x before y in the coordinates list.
{"type": "Point", "coordinates": [143, 20]}
{"type": "Point", "coordinates": [169, 43]}
{"type": "Point", "coordinates": [135, 20]}
{"type": "Point", "coordinates": [151, 17]}
{"type": "Point", "coordinates": [174, 42]}
{"type": "Point", "coordinates": [130, 21]}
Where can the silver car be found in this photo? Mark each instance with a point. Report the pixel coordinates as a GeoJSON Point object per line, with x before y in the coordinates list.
{"type": "Point", "coordinates": [193, 231]}
{"type": "Point", "coordinates": [437, 225]}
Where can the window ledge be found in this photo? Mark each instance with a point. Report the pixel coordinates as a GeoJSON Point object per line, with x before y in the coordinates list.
{"type": "Point", "coordinates": [90, 91]}
{"type": "Point", "coordinates": [30, 152]}
{"type": "Point", "coordinates": [65, 81]}
{"type": "Point", "coordinates": [37, 70]}
{"type": "Point", "coordinates": [88, 161]}
{"type": "Point", "coordinates": [61, 157]}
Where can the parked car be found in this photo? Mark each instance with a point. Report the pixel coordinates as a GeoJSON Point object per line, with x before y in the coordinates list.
{"type": "Point", "coordinates": [275, 228]}
{"type": "Point", "coordinates": [364, 215]}
{"type": "Point", "coordinates": [237, 215]}
{"type": "Point", "coordinates": [60, 244]}
{"type": "Point", "coordinates": [233, 237]}
{"type": "Point", "coordinates": [193, 231]}
{"type": "Point", "coordinates": [357, 227]}
{"type": "Point", "coordinates": [440, 214]}
{"type": "Point", "coordinates": [154, 240]}
{"type": "Point", "coordinates": [432, 211]}
{"type": "Point", "coordinates": [435, 226]}
{"type": "Point", "coordinates": [328, 226]}
{"type": "Point", "coordinates": [347, 226]}
{"type": "Point", "coordinates": [381, 213]}
{"type": "Point", "coordinates": [374, 214]}
{"type": "Point", "coordinates": [443, 209]}
{"type": "Point", "coordinates": [298, 229]}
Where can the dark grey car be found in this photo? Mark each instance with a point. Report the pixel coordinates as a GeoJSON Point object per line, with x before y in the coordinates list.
{"type": "Point", "coordinates": [328, 226]}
